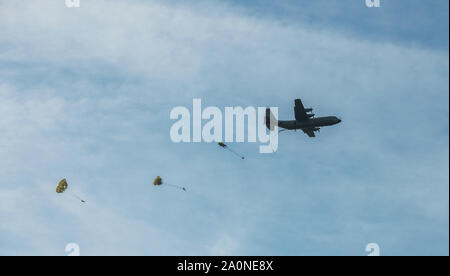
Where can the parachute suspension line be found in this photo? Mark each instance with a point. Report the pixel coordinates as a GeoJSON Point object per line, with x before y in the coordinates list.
{"type": "Point", "coordinates": [235, 153]}
{"type": "Point", "coordinates": [223, 145]}
{"type": "Point", "coordinates": [176, 186]}
{"type": "Point", "coordinates": [76, 196]}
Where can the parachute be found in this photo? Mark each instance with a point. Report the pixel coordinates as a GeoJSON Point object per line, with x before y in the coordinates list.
{"type": "Point", "coordinates": [158, 182]}
{"type": "Point", "coordinates": [223, 145]}
{"type": "Point", "coordinates": [63, 186]}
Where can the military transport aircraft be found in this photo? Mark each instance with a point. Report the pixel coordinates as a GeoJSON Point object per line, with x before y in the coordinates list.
{"type": "Point", "coordinates": [304, 120]}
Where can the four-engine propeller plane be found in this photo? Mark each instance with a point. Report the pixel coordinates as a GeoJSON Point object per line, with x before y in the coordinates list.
{"type": "Point", "coordinates": [304, 120]}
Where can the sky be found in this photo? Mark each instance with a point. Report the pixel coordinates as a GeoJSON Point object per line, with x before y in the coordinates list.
{"type": "Point", "coordinates": [86, 93]}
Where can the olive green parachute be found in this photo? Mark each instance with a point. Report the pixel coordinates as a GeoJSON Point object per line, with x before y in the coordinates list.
{"type": "Point", "coordinates": [158, 182]}
{"type": "Point", "coordinates": [62, 186]}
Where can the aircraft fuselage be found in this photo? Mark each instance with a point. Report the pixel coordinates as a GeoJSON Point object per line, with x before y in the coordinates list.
{"type": "Point", "coordinates": [310, 123]}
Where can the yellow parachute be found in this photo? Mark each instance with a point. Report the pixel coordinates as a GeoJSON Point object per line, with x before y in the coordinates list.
{"type": "Point", "coordinates": [158, 182]}
{"type": "Point", "coordinates": [62, 187]}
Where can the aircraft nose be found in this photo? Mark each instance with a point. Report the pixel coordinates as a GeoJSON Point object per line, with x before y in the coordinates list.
{"type": "Point", "coordinates": [338, 120]}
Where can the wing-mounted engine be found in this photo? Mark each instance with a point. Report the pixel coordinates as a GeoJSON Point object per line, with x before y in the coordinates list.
{"type": "Point", "coordinates": [302, 113]}
{"type": "Point", "coordinates": [309, 113]}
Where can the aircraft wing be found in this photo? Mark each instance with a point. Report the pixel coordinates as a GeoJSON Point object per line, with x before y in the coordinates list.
{"type": "Point", "coordinates": [300, 112]}
{"type": "Point", "coordinates": [309, 132]}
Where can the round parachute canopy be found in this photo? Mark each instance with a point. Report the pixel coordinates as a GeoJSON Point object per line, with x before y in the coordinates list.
{"type": "Point", "coordinates": [62, 186]}
{"type": "Point", "coordinates": [157, 181]}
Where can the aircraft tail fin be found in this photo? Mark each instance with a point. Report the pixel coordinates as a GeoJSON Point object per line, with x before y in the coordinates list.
{"type": "Point", "coordinates": [270, 119]}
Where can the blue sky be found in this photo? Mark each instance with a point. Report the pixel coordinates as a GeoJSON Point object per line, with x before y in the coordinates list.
{"type": "Point", "coordinates": [86, 94]}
